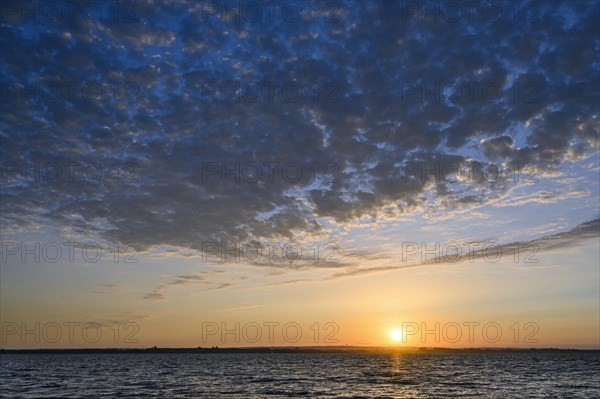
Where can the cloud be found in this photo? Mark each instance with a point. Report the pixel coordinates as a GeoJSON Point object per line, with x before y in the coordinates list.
{"type": "Point", "coordinates": [543, 197]}
{"type": "Point", "coordinates": [578, 234]}
{"type": "Point", "coordinates": [158, 292]}
{"type": "Point", "coordinates": [154, 296]}
{"type": "Point", "coordinates": [108, 288]}
{"type": "Point", "coordinates": [150, 102]}
{"type": "Point", "coordinates": [357, 261]}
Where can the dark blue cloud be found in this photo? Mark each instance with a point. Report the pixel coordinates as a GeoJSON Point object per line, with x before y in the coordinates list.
{"type": "Point", "coordinates": [167, 87]}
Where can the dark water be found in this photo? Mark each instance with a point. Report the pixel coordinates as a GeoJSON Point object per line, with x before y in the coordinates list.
{"type": "Point", "coordinates": [487, 375]}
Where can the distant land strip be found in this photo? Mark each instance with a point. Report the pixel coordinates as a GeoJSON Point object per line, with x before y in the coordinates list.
{"type": "Point", "coordinates": [286, 349]}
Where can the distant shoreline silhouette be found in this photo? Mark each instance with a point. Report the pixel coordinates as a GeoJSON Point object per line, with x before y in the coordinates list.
{"type": "Point", "coordinates": [292, 350]}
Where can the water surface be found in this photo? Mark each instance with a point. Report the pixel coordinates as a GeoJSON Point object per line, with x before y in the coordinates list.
{"type": "Point", "coordinates": [327, 375]}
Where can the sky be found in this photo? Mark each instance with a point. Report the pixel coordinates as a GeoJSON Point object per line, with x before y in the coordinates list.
{"type": "Point", "coordinates": [398, 173]}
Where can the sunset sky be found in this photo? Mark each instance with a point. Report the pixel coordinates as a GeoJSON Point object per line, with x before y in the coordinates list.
{"type": "Point", "coordinates": [345, 140]}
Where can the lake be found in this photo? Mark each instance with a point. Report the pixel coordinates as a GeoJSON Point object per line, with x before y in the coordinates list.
{"type": "Point", "coordinates": [328, 375]}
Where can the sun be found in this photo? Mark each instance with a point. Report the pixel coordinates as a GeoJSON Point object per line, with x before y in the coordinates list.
{"type": "Point", "coordinates": [396, 334]}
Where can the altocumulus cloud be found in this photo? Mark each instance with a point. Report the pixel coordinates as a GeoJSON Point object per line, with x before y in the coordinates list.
{"type": "Point", "coordinates": [379, 87]}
